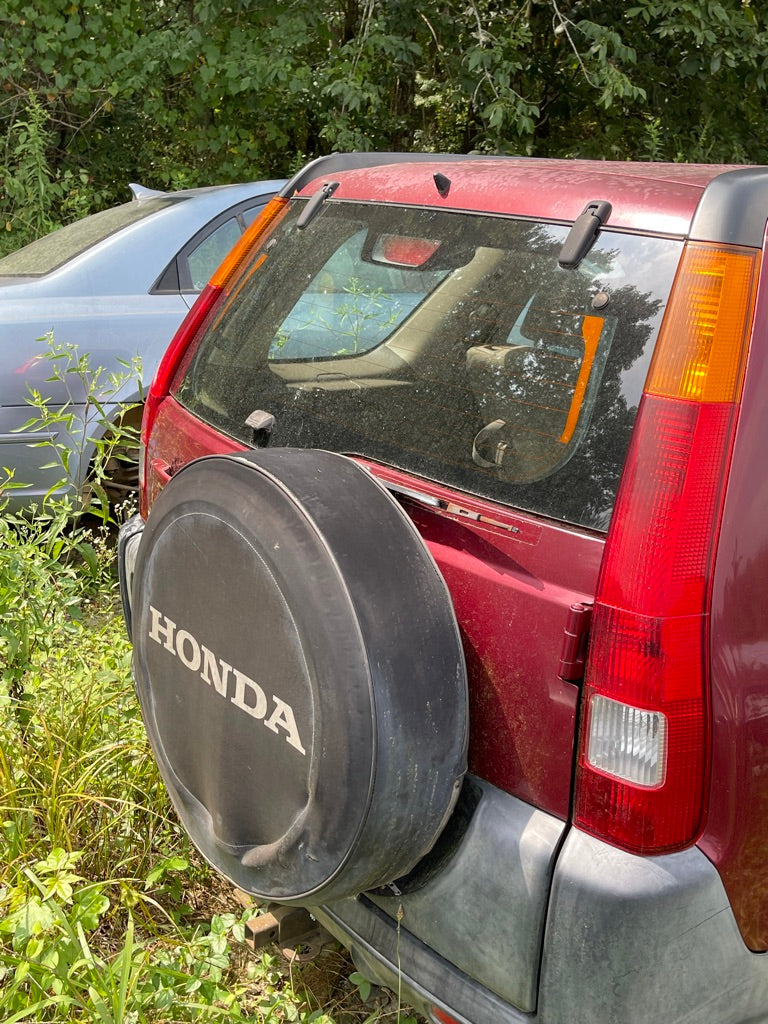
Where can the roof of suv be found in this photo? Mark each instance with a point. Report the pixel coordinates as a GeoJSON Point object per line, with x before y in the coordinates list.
{"type": "Point", "coordinates": [657, 198]}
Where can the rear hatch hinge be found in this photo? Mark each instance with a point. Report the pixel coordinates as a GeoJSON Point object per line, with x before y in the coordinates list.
{"type": "Point", "coordinates": [573, 655]}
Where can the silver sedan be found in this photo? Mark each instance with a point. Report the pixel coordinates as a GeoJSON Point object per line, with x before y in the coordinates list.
{"type": "Point", "coordinates": [113, 288]}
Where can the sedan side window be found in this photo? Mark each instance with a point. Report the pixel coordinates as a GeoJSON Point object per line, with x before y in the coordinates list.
{"type": "Point", "coordinates": [204, 259]}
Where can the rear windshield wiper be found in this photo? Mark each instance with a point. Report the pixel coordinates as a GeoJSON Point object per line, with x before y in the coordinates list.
{"type": "Point", "coordinates": [314, 205]}
{"type": "Point", "coordinates": [583, 233]}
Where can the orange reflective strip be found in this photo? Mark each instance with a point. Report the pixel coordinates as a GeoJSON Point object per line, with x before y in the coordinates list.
{"type": "Point", "coordinates": [232, 295]}
{"type": "Point", "coordinates": [266, 221]}
{"type": "Point", "coordinates": [591, 329]}
{"type": "Point", "coordinates": [236, 270]}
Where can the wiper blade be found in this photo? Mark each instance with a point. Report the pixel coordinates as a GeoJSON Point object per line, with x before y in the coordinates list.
{"type": "Point", "coordinates": [314, 205]}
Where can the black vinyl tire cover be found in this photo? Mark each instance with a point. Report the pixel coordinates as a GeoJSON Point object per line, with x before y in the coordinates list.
{"type": "Point", "coordinates": [300, 673]}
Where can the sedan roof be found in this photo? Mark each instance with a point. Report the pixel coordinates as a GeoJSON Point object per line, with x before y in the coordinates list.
{"type": "Point", "coordinates": [117, 251]}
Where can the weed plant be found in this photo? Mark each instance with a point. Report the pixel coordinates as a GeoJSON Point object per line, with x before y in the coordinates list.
{"type": "Point", "coordinates": [90, 436]}
{"type": "Point", "coordinates": [106, 913]}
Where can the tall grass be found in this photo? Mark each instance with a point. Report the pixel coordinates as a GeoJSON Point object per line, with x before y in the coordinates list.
{"type": "Point", "coordinates": [106, 913]}
{"type": "Point", "coordinates": [93, 925]}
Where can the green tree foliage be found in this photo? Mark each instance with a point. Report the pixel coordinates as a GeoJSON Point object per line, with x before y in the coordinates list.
{"type": "Point", "coordinates": [186, 92]}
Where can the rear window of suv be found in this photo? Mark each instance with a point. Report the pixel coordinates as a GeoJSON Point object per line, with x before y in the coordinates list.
{"type": "Point", "coordinates": [448, 345]}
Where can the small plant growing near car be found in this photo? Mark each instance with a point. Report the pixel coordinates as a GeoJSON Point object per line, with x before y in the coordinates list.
{"type": "Point", "coordinates": [50, 564]}
{"type": "Point", "coordinates": [96, 436]}
{"type": "Point", "coordinates": [106, 914]}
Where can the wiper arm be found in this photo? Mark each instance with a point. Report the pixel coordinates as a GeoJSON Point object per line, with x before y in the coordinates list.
{"type": "Point", "coordinates": [314, 205]}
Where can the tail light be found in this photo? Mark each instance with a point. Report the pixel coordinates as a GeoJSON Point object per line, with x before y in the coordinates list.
{"type": "Point", "coordinates": [184, 343]}
{"type": "Point", "coordinates": [644, 746]}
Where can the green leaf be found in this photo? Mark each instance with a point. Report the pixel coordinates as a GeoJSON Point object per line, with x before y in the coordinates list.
{"type": "Point", "coordinates": [362, 984]}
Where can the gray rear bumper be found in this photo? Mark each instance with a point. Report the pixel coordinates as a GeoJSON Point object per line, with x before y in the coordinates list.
{"type": "Point", "coordinates": [628, 940]}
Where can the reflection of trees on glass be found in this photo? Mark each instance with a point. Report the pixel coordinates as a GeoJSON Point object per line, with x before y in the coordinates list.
{"type": "Point", "coordinates": [347, 321]}
{"type": "Point", "coordinates": [529, 300]}
{"type": "Point", "coordinates": [410, 366]}
{"type": "Point", "coordinates": [587, 485]}
{"type": "Point", "coordinates": [349, 303]}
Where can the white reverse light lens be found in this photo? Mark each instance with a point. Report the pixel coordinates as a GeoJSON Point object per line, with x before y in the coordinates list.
{"type": "Point", "coordinates": [627, 742]}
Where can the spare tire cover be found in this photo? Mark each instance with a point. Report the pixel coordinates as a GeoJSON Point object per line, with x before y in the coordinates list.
{"type": "Point", "coordinates": [300, 673]}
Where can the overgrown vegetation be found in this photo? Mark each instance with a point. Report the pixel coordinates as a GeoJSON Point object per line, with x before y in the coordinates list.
{"type": "Point", "coordinates": [86, 453]}
{"type": "Point", "coordinates": [93, 96]}
{"type": "Point", "coordinates": [106, 913]}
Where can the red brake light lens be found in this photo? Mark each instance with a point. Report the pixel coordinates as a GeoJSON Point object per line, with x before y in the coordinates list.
{"type": "Point", "coordinates": [190, 330]}
{"type": "Point", "coordinates": [644, 745]}
{"type": "Point", "coordinates": [404, 251]}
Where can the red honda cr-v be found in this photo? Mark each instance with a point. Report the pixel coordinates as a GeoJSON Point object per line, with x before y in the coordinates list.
{"type": "Point", "coordinates": [448, 594]}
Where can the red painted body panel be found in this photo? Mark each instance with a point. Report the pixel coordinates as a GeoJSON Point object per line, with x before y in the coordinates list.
{"type": "Point", "coordinates": [511, 592]}
{"type": "Point", "coordinates": [736, 833]}
{"type": "Point", "coordinates": [511, 599]}
{"type": "Point", "coordinates": [657, 198]}
{"type": "Point", "coordinates": [176, 439]}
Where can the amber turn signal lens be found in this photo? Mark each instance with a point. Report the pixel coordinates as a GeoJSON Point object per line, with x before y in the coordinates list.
{"type": "Point", "coordinates": [702, 345]}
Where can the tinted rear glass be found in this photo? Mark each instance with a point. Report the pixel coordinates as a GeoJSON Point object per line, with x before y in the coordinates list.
{"type": "Point", "coordinates": [51, 251]}
{"type": "Point", "coordinates": [448, 345]}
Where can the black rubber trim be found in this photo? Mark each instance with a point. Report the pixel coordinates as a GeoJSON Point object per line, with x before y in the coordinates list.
{"type": "Point", "coordinates": [733, 209]}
